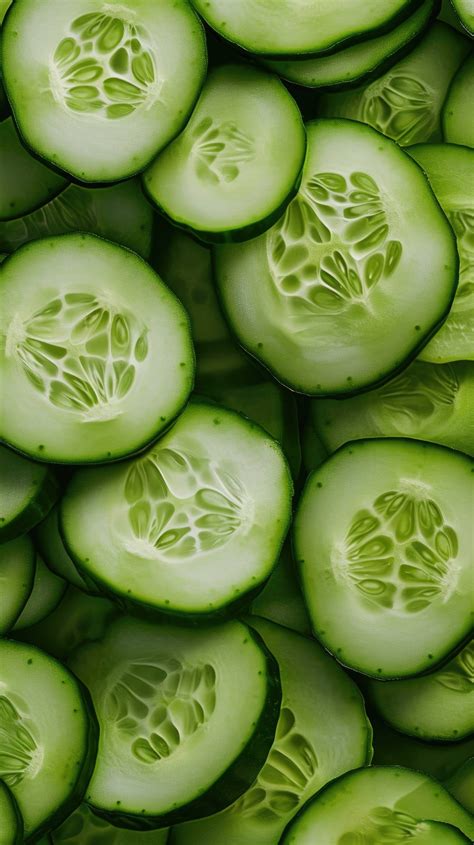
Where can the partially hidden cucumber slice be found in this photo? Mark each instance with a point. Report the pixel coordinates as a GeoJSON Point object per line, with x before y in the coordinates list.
{"type": "Point", "coordinates": [176, 742]}
{"type": "Point", "coordinates": [49, 736]}
{"type": "Point", "coordinates": [313, 450]}
{"type": "Point", "coordinates": [17, 572]}
{"type": "Point", "coordinates": [326, 299]}
{"type": "Point", "coordinates": [281, 600]}
{"type": "Point", "coordinates": [11, 823]}
{"type": "Point", "coordinates": [384, 543]}
{"type": "Point", "coordinates": [51, 547]}
{"type": "Point", "coordinates": [465, 11]}
{"type": "Point", "coordinates": [405, 103]}
{"type": "Point", "coordinates": [27, 493]}
{"type": "Point", "coordinates": [193, 526]}
{"type": "Point", "coordinates": [461, 785]}
{"type": "Point", "coordinates": [83, 827]}
{"type": "Point", "coordinates": [381, 805]}
{"type": "Point", "coordinates": [228, 176]}
{"type": "Point", "coordinates": [46, 594]}
{"type": "Point", "coordinates": [96, 350]}
{"type": "Point", "coordinates": [458, 119]}
{"type": "Point", "coordinates": [322, 732]}
{"type": "Point", "coordinates": [97, 88]}
{"type": "Point", "coordinates": [426, 401]}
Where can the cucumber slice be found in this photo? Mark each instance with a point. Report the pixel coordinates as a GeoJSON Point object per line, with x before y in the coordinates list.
{"type": "Point", "coordinates": [228, 176]}
{"type": "Point", "coordinates": [326, 299]}
{"type": "Point", "coordinates": [281, 600]}
{"type": "Point", "coordinates": [378, 804]}
{"type": "Point", "coordinates": [359, 62]}
{"type": "Point", "coordinates": [190, 528]}
{"type": "Point", "coordinates": [46, 594]}
{"type": "Point", "coordinates": [448, 15]}
{"type": "Point", "coordinates": [287, 27]}
{"type": "Point", "coordinates": [17, 572]}
{"type": "Point", "coordinates": [85, 828]}
{"type": "Point", "coordinates": [426, 401]}
{"type": "Point", "coordinates": [314, 451]}
{"type": "Point", "coordinates": [465, 11]}
{"type": "Point", "coordinates": [11, 824]}
{"type": "Point", "coordinates": [437, 707]}
{"type": "Point", "coordinates": [461, 785]}
{"type": "Point", "coordinates": [405, 103]}
{"type": "Point", "coordinates": [51, 548]}
{"type": "Point", "coordinates": [4, 6]}
{"type": "Point", "coordinates": [25, 183]}
{"type": "Point", "coordinates": [175, 742]}
{"type": "Point", "coordinates": [27, 493]}
{"type": "Point", "coordinates": [458, 120]}
{"type": "Point", "coordinates": [120, 213]}
{"type": "Point", "coordinates": [384, 543]}
{"type": "Point", "coordinates": [98, 88]}
{"type": "Point", "coordinates": [450, 170]}
{"type": "Point", "coordinates": [97, 351]}
{"type": "Point", "coordinates": [49, 736]}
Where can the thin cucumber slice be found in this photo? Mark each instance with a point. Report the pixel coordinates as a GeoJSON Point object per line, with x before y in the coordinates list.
{"type": "Point", "coordinates": [49, 543]}
{"type": "Point", "coordinates": [461, 785]}
{"type": "Point", "coordinates": [83, 827]}
{"type": "Point", "coordinates": [378, 805]}
{"type": "Point", "coordinates": [384, 543]}
{"type": "Point", "coordinates": [228, 176]}
{"type": "Point", "coordinates": [46, 594]}
{"type": "Point", "coordinates": [176, 742]}
{"type": "Point", "coordinates": [96, 350]}
{"type": "Point", "coordinates": [49, 736]}
{"type": "Point", "coordinates": [322, 732]}
{"type": "Point", "coordinates": [450, 170]}
{"type": "Point", "coordinates": [193, 526]}
{"type": "Point", "coordinates": [281, 600]}
{"type": "Point", "coordinates": [288, 27]}
{"type": "Point", "coordinates": [465, 11]}
{"type": "Point", "coordinates": [11, 823]}
{"type": "Point", "coordinates": [405, 103]}
{"type": "Point", "coordinates": [17, 572]}
{"type": "Point", "coordinates": [97, 88]}
{"type": "Point", "coordinates": [120, 213]}
{"type": "Point", "coordinates": [27, 493]}
{"type": "Point", "coordinates": [326, 299]}
{"type": "Point", "coordinates": [432, 402]}
{"type": "Point", "coordinates": [25, 183]}
{"type": "Point", "coordinates": [458, 117]}
{"type": "Point", "coordinates": [362, 61]}
{"type": "Point", "coordinates": [438, 707]}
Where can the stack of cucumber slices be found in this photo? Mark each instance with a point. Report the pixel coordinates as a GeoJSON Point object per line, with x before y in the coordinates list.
{"type": "Point", "coordinates": [236, 422]}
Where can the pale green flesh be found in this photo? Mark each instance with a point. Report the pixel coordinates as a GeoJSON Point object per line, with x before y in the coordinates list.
{"type": "Point", "coordinates": [189, 526]}
{"type": "Point", "coordinates": [281, 600]}
{"type": "Point", "coordinates": [323, 731]}
{"type": "Point", "coordinates": [380, 804]}
{"type": "Point", "coordinates": [383, 540]}
{"type": "Point", "coordinates": [458, 117]}
{"type": "Point", "coordinates": [20, 484]}
{"type": "Point", "coordinates": [162, 695]}
{"type": "Point", "coordinates": [439, 706]}
{"type": "Point", "coordinates": [228, 173]}
{"type": "Point", "coordinates": [139, 74]}
{"type": "Point", "coordinates": [461, 785]}
{"type": "Point", "coordinates": [405, 103]}
{"type": "Point", "coordinates": [450, 170]}
{"type": "Point", "coordinates": [51, 547]}
{"type": "Point", "coordinates": [359, 60]}
{"type": "Point", "coordinates": [10, 822]}
{"type": "Point", "coordinates": [17, 568]}
{"type": "Point", "coordinates": [94, 347]}
{"type": "Point", "coordinates": [325, 299]}
{"type": "Point", "coordinates": [84, 828]}
{"type": "Point", "coordinates": [465, 11]}
{"type": "Point", "coordinates": [46, 594]}
{"type": "Point", "coordinates": [432, 402]}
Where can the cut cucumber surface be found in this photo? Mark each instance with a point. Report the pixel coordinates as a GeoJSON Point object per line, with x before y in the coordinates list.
{"type": "Point", "coordinates": [17, 572]}
{"type": "Point", "coordinates": [94, 347]}
{"type": "Point", "coordinates": [450, 170]}
{"type": "Point", "coordinates": [436, 707]}
{"type": "Point", "coordinates": [27, 493]}
{"type": "Point", "coordinates": [98, 88]}
{"type": "Point", "coordinates": [383, 538]}
{"type": "Point", "coordinates": [46, 594]}
{"type": "Point", "coordinates": [461, 785]}
{"type": "Point", "coordinates": [458, 117]}
{"type": "Point", "coordinates": [379, 805]}
{"type": "Point", "coordinates": [322, 732]}
{"type": "Point", "coordinates": [11, 824]}
{"type": "Point", "coordinates": [49, 543]}
{"type": "Point", "coordinates": [326, 299]}
{"type": "Point", "coordinates": [405, 103]}
{"type": "Point", "coordinates": [358, 63]}
{"type": "Point", "coordinates": [85, 828]}
{"type": "Point", "coordinates": [465, 12]}
{"type": "Point", "coordinates": [287, 27]}
{"type": "Point", "coordinates": [432, 402]}
{"type": "Point", "coordinates": [176, 742]}
{"type": "Point", "coordinates": [193, 526]}
{"type": "Point", "coordinates": [281, 600]}
{"type": "Point", "coordinates": [48, 733]}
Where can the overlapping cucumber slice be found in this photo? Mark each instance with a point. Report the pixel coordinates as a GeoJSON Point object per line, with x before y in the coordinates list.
{"type": "Point", "coordinates": [27, 492]}
{"type": "Point", "coordinates": [17, 572]}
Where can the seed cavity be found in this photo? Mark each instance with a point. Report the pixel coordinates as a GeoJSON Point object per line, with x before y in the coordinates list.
{"type": "Point", "coordinates": [18, 747]}
{"type": "Point", "coordinates": [416, 396]}
{"type": "Point", "coordinates": [219, 150]}
{"type": "Point", "coordinates": [401, 107]}
{"type": "Point", "coordinates": [383, 825]}
{"type": "Point", "coordinates": [458, 675]}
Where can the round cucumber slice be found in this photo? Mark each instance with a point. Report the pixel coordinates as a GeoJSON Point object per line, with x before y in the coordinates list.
{"type": "Point", "coordinates": [228, 176]}
{"type": "Point", "coordinates": [386, 805]}
{"type": "Point", "coordinates": [98, 88]}
{"type": "Point", "coordinates": [461, 784]}
{"type": "Point", "coordinates": [384, 544]}
{"type": "Point", "coordinates": [465, 11]}
{"type": "Point", "coordinates": [97, 350]}
{"type": "Point", "coordinates": [458, 122]}
{"type": "Point", "coordinates": [11, 824]}
{"type": "Point", "coordinates": [85, 828]}
{"type": "Point", "coordinates": [17, 572]}
{"type": "Point", "coordinates": [49, 736]}
{"type": "Point", "coordinates": [27, 493]}
{"type": "Point", "coordinates": [51, 548]}
{"type": "Point", "coordinates": [175, 741]}
{"type": "Point", "coordinates": [191, 527]}
{"type": "Point", "coordinates": [326, 299]}
{"type": "Point", "coordinates": [46, 594]}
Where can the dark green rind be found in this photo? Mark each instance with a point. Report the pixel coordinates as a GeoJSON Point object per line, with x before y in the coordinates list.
{"type": "Point", "coordinates": [18, 833]}
{"type": "Point", "coordinates": [461, 784]}
{"type": "Point", "coordinates": [37, 509]}
{"type": "Point", "coordinates": [468, 25]}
